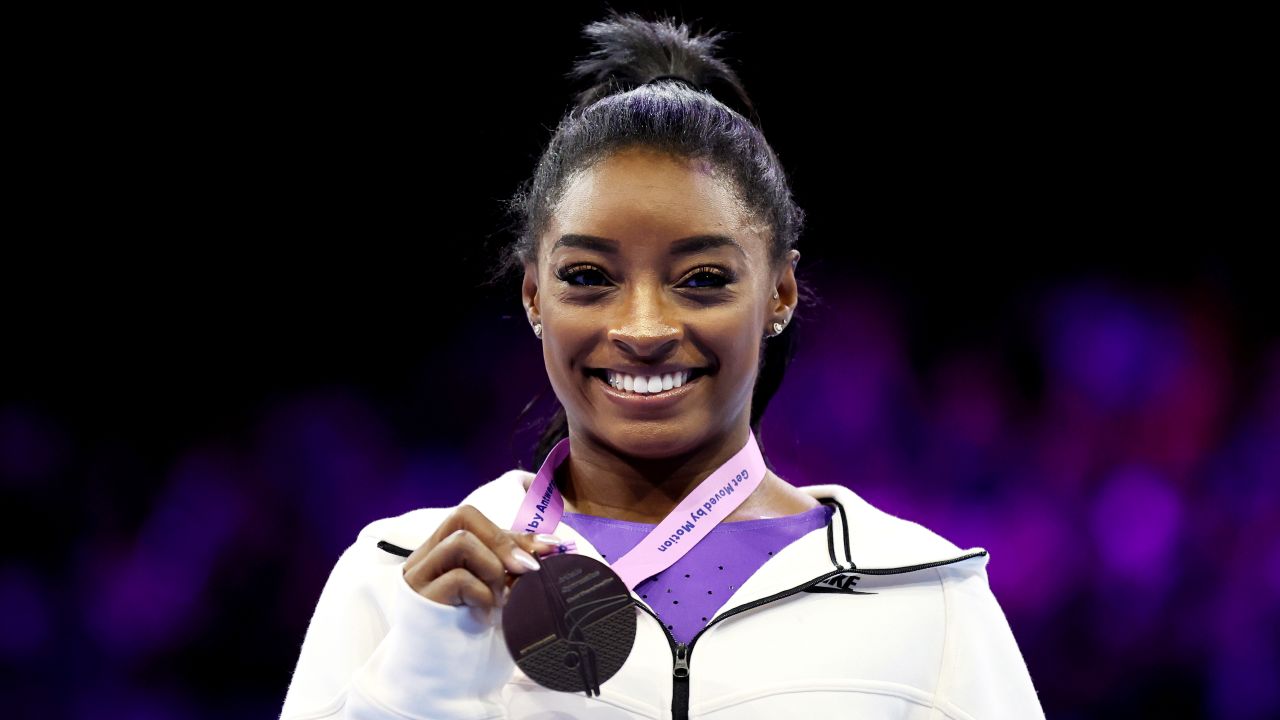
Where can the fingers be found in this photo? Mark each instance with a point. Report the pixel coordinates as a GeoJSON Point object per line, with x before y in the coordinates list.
{"type": "Point", "coordinates": [459, 587]}
{"type": "Point", "coordinates": [502, 542]}
{"type": "Point", "coordinates": [545, 544]}
{"type": "Point", "coordinates": [465, 517]}
{"type": "Point", "coordinates": [469, 560]}
{"type": "Point", "coordinates": [462, 550]}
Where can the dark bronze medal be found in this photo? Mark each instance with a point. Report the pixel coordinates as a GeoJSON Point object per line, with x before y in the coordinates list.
{"type": "Point", "coordinates": [570, 625]}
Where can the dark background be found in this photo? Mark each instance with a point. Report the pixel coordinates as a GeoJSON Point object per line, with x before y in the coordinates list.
{"type": "Point", "coordinates": [242, 318]}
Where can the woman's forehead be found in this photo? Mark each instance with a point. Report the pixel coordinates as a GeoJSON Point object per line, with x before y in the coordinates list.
{"type": "Point", "coordinates": [650, 199]}
{"type": "Point", "coordinates": [652, 176]}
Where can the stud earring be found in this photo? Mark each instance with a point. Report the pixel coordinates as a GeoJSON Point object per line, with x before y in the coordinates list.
{"type": "Point", "coordinates": [537, 329]}
{"type": "Point", "coordinates": [775, 294]}
{"type": "Point", "coordinates": [777, 328]}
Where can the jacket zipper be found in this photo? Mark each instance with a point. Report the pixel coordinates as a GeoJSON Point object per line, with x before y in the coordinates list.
{"type": "Point", "coordinates": [681, 652]}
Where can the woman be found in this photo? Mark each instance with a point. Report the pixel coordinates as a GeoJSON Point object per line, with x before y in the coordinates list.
{"type": "Point", "coordinates": [656, 248]}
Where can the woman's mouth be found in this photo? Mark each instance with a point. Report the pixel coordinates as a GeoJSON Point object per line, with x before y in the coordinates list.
{"type": "Point", "coordinates": [647, 390]}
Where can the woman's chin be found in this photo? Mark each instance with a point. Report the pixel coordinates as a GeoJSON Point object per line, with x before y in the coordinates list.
{"type": "Point", "coordinates": [654, 443]}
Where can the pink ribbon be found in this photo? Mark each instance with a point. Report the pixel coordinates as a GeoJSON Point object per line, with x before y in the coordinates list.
{"type": "Point", "coordinates": [714, 499]}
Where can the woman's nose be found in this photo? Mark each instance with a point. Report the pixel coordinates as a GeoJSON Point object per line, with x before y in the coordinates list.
{"type": "Point", "coordinates": [645, 324]}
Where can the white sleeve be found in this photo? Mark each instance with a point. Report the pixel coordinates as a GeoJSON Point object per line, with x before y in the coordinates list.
{"type": "Point", "coordinates": [375, 649]}
{"type": "Point", "coordinates": [983, 674]}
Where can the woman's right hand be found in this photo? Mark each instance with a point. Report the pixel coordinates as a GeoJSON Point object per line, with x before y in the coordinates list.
{"type": "Point", "coordinates": [471, 561]}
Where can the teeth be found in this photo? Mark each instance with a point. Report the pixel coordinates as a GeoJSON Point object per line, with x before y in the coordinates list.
{"type": "Point", "coordinates": [646, 385]}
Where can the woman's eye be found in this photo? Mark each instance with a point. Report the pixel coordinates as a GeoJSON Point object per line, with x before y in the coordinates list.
{"type": "Point", "coordinates": [572, 275]}
{"type": "Point", "coordinates": [587, 276]}
{"type": "Point", "coordinates": [708, 279]}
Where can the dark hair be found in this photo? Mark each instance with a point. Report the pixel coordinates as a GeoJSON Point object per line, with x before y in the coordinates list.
{"type": "Point", "coordinates": [708, 116]}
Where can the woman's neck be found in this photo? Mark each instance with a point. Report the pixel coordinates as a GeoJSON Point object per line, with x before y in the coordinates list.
{"type": "Point", "coordinates": [596, 481]}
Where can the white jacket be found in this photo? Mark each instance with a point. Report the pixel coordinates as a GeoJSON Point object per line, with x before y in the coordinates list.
{"type": "Point", "coordinates": [872, 617]}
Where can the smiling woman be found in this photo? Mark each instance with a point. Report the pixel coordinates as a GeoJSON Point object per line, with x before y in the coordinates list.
{"type": "Point", "coordinates": [651, 269]}
{"type": "Point", "coordinates": [656, 262]}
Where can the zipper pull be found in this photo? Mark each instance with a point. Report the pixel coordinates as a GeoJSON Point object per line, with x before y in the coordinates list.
{"type": "Point", "coordinates": [681, 669]}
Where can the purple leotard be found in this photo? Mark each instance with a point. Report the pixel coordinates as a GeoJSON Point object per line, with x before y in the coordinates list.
{"type": "Point", "coordinates": [688, 593]}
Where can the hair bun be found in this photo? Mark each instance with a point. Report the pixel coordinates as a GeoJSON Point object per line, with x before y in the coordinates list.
{"type": "Point", "coordinates": [677, 78]}
{"type": "Point", "coordinates": [631, 51]}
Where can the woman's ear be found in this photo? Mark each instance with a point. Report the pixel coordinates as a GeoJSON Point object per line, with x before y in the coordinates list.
{"type": "Point", "coordinates": [786, 288]}
{"type": "Point", "coordinates": [529, 293]}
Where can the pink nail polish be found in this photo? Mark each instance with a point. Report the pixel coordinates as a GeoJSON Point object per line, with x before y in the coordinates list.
{"type": "Point", "coordinates": [562, 548]}
{"type": "Point", "coordinates": [524, 559]}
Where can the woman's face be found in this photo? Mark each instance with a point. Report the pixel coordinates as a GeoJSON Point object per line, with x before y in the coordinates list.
{"type": "Point", "coordinates": [649, 267]}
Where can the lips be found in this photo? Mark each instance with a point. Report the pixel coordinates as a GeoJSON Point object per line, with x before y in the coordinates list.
{"type": "Point", "coordinates": [658, 399]}
{"type": "Point", "coordinates": [604, 374]}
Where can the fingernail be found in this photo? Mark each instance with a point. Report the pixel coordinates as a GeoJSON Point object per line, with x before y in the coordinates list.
{"type": "Point", "coordinates": [525, 558]}
{"type": "Point", "coordinates": [566, 547]}
{"type": "Point", "coordinates": [545, 538]}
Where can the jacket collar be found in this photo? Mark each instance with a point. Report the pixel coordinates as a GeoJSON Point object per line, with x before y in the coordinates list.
{"type": "Point", "coordinates": [860, 538]}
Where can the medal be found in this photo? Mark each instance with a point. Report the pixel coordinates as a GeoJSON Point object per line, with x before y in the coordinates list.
{"type": "Point", "coordinates": [570, 625]}
{"type": "Point", "coordinates": [573, 623]}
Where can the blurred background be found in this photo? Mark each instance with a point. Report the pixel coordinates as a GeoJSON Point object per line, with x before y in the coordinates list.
{"type": "Point", "coordinates": [243, 317]}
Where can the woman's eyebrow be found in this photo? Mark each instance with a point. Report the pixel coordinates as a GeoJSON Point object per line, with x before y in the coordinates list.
{"type": "Point", "coordinates": [683, 246]}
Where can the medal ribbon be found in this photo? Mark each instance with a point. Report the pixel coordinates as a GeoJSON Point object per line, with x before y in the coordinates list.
{"type": "Point", "coordinates": [714, 499]}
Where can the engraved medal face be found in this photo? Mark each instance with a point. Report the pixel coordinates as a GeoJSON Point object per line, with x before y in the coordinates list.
{"type": "Point", "coordinates": [570, 625]}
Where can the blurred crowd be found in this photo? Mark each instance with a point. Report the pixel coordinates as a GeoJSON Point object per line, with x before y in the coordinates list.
{"type": "Point", "coordinates": [1115, 448]}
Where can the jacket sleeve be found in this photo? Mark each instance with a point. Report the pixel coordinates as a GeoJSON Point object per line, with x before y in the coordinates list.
{"type": "Point", "coordinates": [983, 674]}
{"type": "Point", "coordinates": [375, 649]}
